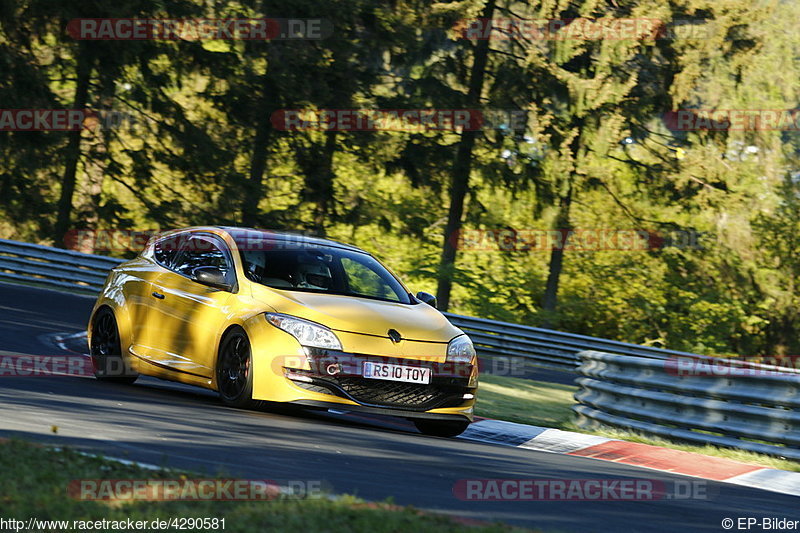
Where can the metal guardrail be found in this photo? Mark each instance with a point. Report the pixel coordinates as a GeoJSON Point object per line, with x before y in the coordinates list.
{"type": "Point", "coordinates": [745, 405]}
{"type": "Point", "coordinates": [43, 265]}
{"type": "Point", "coordinates": [545, 348]}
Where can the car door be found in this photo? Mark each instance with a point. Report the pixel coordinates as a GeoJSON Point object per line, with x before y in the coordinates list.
{"type": "Point", "coordinates": [142, 299]}
{"type": "Point", "coordinates": [192, 315]}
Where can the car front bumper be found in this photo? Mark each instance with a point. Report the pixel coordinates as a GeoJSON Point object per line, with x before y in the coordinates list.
{"type": "Point", "coordinates": [333, 379]}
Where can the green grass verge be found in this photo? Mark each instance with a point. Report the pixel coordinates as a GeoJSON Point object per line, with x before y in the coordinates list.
{"type": "Point", "coordinates": [34, 481]}
{"type": "Point", "coordinates": [525, 401]}
{"type": "Point", "coordinates": [549, 404]}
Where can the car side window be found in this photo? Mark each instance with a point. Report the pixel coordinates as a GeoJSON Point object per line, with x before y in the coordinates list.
{"type": "Point", "coordinates": [201, 251]}
{"type": "Point", "coordinates": [166, 250]}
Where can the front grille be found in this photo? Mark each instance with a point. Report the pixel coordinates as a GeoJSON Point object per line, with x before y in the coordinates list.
{"type": "Point", "coordinates": [447, 388]}
{"type": "Point", "coordinates": [391, 393]}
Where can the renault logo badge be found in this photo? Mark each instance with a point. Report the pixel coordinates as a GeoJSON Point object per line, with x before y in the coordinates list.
{"type": "Point", "coordinates": [395, 336]}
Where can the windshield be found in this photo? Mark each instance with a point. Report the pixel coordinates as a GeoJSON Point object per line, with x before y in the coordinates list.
{"type": "Point", "coordinates": [324, 269]}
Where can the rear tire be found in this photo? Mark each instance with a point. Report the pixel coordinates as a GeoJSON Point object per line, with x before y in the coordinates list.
{"type": "Point", "coordinates": [441, 428]}
{"type": "Point", "coordinates": [106, 350]}
{"type": "Point", "coordinates": [234, 371]}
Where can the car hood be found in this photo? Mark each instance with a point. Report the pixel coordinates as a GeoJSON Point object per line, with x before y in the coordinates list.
{"type": "Point", "coordinates": [419, 322]}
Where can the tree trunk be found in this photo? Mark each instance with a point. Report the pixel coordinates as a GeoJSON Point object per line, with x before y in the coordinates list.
{"type": "Point", "coordinates": [462, 168]}
{"type": "Point", "coordinates": [563, 225]}
{"type": "Point", "coordinates": [254, 188]}
{"type": "Point", "coordinates": [72, 155]}
{"type": "Point", "coordinates": [323, 184]}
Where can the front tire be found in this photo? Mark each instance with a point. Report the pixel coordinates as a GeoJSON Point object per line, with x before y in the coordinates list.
{"type": "Point", "coordinates": [441, 428]}
{"type": "Point", "coordinates": [106, 350]}
{"type": "Point", "coordinates": [235, 369]}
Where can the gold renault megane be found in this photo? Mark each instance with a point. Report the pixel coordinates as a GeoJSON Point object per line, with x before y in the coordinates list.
{"type": "Point", "coordinates": [261, 315]}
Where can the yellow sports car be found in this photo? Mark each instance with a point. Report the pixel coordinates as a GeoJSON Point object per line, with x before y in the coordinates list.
{"type": "Point", "coordinates": [266, 316]}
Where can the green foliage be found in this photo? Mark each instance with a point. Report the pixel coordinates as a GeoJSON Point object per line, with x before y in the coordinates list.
{"type": "Point", "coordinates": [204, 150]}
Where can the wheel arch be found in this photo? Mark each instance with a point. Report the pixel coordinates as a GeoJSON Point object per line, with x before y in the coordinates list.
{"type": "Point", "coordinates": [220, 340]}
{"type": "Point", "coordinates": [121, 317]}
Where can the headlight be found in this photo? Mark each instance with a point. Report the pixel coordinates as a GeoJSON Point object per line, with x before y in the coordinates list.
{"type": "Point", "coordinates": [460, 350]}
{"type": "Point", "coordinates": [306, 332]}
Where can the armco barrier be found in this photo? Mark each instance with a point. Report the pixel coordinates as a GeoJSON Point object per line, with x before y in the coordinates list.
{"type": "Point", "coordinates": [741, 405]}
{"type": "Point", "coordinates": [544, 348]}
{"type": "Point", "coordinates": [33, 263]}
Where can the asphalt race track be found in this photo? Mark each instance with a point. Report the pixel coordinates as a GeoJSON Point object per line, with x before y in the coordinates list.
{"type": "Point", "coordinates": [167, 424]}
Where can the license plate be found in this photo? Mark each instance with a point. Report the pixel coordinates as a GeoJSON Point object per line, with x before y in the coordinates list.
{"type": "Point", "coordinates": [408, 374]}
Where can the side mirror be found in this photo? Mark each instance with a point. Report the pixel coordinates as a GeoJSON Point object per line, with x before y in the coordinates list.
{"type": "Point", "coordinates": [211, 277]}
{"type": "Point", "coordinates": [428, 298]}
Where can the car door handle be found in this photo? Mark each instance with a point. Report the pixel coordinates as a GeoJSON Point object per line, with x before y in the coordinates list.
{"type": "Point", "coordinates": [158, 295]}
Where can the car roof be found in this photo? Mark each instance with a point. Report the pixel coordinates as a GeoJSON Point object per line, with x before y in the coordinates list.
{"type": "Point", "coordinates": [249, 235]}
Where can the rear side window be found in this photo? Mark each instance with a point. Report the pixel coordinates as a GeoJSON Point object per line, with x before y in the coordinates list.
{"type": "Point", "coordinates": [165, 251]}
{"type": "Point", "coordinates": [200, 251]}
